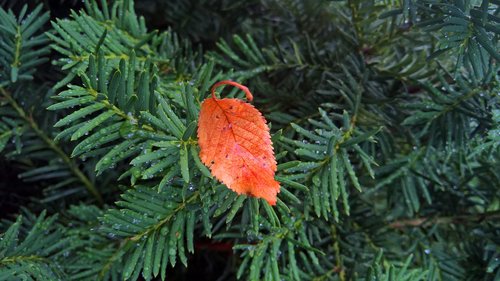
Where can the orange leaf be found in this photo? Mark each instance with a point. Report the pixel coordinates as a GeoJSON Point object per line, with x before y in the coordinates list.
{"type": "Point", "coordinates": [235, 144]}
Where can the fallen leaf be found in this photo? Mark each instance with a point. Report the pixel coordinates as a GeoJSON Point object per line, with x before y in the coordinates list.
{"type": "Point", "coordinates": [235, 144]}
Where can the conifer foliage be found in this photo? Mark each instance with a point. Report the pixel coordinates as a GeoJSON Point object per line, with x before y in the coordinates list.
{"type": "Point", "coordinates": [384, 119]}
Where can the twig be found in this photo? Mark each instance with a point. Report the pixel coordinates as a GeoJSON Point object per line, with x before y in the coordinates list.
{"type": "Point", "coordinates": [459, 219]}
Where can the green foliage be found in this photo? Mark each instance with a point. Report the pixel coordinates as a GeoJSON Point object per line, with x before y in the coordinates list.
{"type": "Point", "coordinates": [26, 142]}
{"type": "Point", "coordinates": [31, 248]}
{"type": "Point", "coordinates": [23, 48]}
{"type": "Point", "coordinates": [329, 148]}
{"type": "Point", "coordinates": [471, 30]}
{"type": "Point", "coordinates": [384, 118]}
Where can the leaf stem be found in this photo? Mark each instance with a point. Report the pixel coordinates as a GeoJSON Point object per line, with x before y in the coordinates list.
{"type": "Point", "coordinates": [232, 83]}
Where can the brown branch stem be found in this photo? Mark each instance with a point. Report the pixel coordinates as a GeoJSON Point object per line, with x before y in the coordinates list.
{"type": "Point", "coordinates": [458, 219]}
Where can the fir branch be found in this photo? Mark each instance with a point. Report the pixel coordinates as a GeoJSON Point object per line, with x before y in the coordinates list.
{"type": "Point", "coordinates": [338, 258]}
{"type": "Point", "coordinates": [132, 105]}
{"type": "Point", "coordinates": [195, 196]}
{"type": "Point", "coordinates": [126, 243]}
{"type": "Point", "coordinates": [22, 47]}
{"type": "Point", "coordinates": [30, 248]}
{"type": "Point", "coordinates": [17, 259]}
{"type": "Point", "coordinates": [53, 146]}
{"type": "Point", "coordinates": [17, 53]}
{"type": "Point", "coordinates": [356, 20]}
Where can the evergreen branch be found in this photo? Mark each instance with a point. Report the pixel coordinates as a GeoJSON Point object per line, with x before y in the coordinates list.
{"type": "Point", "coordinates": [458, 219]}
{"type": "Point", "coordinates": [52, 145]}
{"type": "Point", "coordinates": [113, 258]}
{"type": "Point", "coordinates": [338, 258]}
{"type": "Point", "coordinates": [329, 149]}
{"type": "Point", "coordinates": [167, 219]}
{"type": "Point", "coordinates": [132, 106]}
{"type": "Point", "coordinates": [355, 20]}
{"type": "Point", "coordinates": [30, 247]}
{"type": "Point", "coordinates": [15, 259]}
{"type": "Point", "coordinates": [457, 102]}
{"type": "Point", "coordinates": [22, 47]}
{"type": "Point", "coordinates": [18, 43]}
{"type": "Point", "coordinates": [328, 275]}
{"type": "Point", "coordinates": [147, 233]}
{"type": "Point", "coordinates": [85, 57]}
